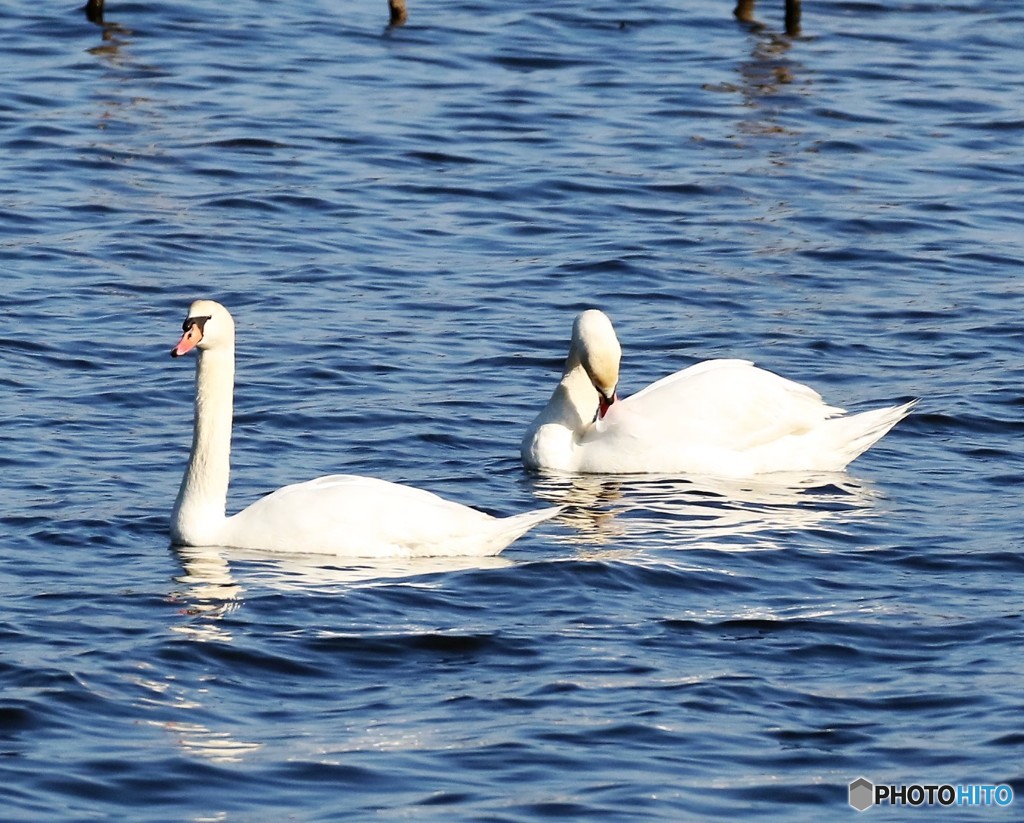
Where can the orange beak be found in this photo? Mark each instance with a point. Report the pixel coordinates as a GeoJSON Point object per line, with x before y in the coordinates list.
{"type": "Point", "coordinates": [605, 403]}
{"type": "Point", "coordinates": [189, 340]}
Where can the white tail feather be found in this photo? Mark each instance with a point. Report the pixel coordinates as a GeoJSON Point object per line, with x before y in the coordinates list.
{"type": "Point", "coordinates": [857, 433]}
{"type": "Point", "coordinates": [505, 530]}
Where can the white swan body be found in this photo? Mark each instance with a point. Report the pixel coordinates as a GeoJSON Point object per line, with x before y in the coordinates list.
{"type": "Point", "coordinates": [722, 418]}
{"type": "Point", "coordinates": [338, 515]}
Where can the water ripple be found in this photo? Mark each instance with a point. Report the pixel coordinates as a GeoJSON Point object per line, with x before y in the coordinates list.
{"type": "Point", "coordinates": [404, 221]}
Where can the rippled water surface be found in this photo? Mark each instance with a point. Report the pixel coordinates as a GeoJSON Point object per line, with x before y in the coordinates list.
{"type": "Point", "coordinates": [404, 223]}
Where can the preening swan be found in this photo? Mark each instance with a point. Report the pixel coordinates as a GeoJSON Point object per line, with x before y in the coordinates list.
{"type": "Point", "coordinates": [339, 514]}
{"type": "Point", "coordinates": [723, 418]}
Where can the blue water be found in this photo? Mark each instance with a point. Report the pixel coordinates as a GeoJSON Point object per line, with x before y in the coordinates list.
{"type": "Point", "coordinates": [404, 224]}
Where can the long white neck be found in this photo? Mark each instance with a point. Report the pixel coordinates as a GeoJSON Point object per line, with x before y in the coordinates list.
{"type": "Point", "coordinates": [574, 401]}
{"type": "Point", "coordinates": [551, 439]}
{"type": "Point", "coordinates": [199, 512]}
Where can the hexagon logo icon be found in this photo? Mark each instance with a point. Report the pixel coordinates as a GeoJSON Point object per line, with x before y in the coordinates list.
{"type": "Point", "coordinates": [862, 794]}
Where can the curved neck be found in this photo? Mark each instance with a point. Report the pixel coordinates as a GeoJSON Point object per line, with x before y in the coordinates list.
{"type": "Point", "coordinates": [200, 509]}
{"type": "Point", "coordinates": [577, 396]}
{"type": "Point", "coordinates": [573, 403]}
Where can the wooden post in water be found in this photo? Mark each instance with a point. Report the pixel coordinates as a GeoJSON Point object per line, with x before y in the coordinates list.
{"type": "Point", "coordinates": [94, 11]}
{"type": "Point", "coordinates": [792, 17]}
{"type": "Point", "coordinates": [744, 12]}
{"type": "Point", "coordinates": [399, 14]}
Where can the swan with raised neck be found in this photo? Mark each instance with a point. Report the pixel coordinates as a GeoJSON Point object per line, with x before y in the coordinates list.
{"type": "Point", "coordinates": [338, 514]}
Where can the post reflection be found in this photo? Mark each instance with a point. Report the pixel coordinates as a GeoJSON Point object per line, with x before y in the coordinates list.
{"type": "Point", "coordinates": [115, 36]}
{"type": "Point", "coordinates": [701, 511]}
{"type": "Point", "coordinates": [768, 83]}
{"type": "Point", "coordinates": [764, 77]}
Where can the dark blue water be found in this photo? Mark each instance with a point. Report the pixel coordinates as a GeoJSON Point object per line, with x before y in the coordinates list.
{"type": "Point", "coordinates": [404, 223]}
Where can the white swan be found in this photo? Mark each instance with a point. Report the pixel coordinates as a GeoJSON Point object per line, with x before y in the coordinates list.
{"type": "Point", "coordinates": [723, 418]}
{"type": "Point", "coordinates": [338, 515]}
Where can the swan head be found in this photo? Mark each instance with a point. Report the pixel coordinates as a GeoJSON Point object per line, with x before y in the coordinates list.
{"type": "Point", "coordinates": [208, 325]}
{"type": "Point", "coordinates": [596, 348]}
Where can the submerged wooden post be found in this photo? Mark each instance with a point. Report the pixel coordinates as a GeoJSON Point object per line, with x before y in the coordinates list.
{"type": "Point", "coordinates": [744, 12]}
{"type": "Point", "coordinates": [792, 17]}
{"type": "Point", "coordinates": [94, 11]}
{"type": "Point", "coordinates": [399, 14]}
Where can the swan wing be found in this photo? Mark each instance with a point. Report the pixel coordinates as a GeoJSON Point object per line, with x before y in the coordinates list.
{"type": "Point", "coordinates": [358, 516]}
{"type": "Point", "coordinates": [725, 403]}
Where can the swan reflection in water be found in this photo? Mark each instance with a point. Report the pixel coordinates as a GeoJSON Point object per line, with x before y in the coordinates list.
{"type": "Point", "coordinates": [215, 578]}
{"type": "Point", "coordinates": [702, 512]}
{"type": "Point", "coordinates": [210, 745]}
